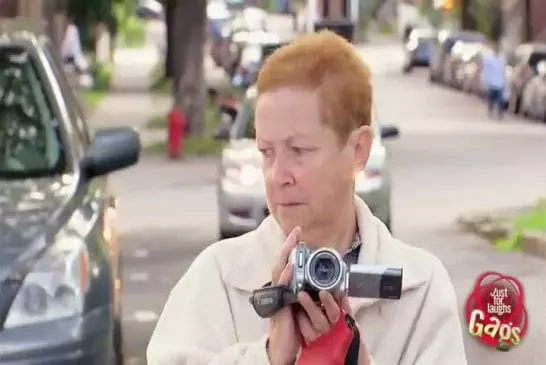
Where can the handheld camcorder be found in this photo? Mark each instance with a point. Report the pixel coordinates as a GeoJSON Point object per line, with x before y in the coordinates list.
{"type": "Point", "coordinates": [325, 270]}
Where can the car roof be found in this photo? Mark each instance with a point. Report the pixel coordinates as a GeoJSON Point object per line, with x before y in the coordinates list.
{"type": "Point", "coordinates": [464, 35]}
{"type": "Point", "coordinates": [530, 47]}
{"type": "Point", "coordinates": [423, 33]}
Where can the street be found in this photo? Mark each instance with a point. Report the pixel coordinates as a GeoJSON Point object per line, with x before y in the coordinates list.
{"type": "Point", "coordinates": [450, 159]}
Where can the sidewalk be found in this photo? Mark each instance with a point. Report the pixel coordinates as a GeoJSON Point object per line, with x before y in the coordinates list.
{"type": "Point", "coordinates": [129, 102]}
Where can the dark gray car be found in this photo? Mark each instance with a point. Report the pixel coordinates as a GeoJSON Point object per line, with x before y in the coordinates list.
{"type": "Point", "coordinates": [60, 275]}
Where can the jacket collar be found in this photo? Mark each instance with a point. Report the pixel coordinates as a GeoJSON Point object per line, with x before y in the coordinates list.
{"type": "Point", "coordinates": [251, 268]}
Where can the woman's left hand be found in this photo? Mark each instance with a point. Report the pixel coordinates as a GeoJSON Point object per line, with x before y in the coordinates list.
{"type": "Point", "coordinates": [315, 321]}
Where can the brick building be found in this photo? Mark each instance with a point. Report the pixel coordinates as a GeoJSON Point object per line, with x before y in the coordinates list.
{"type": "Point", "coordinates": [25, 8]}
{"type": "Point", "coordinates": [524, 21]}
{"type": "Point", "coordinates": [42, 11]}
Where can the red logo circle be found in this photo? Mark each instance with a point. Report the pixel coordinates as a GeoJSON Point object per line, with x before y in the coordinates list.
{"type": "Point", "coordinates": [495, 311]}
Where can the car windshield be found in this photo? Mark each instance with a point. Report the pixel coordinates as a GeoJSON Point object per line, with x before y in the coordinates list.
{"type": "Point", "coordinates": [243, 127]}
{"type": "Point", "coordinates": [30, 143]}
{"type": "Point", "coordinates": [254, 19]}
{"type": "Point", "coordinates": [466, 38]}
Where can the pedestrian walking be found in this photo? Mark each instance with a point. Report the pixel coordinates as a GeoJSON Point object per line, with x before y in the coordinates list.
{"type": "Point", "coordinates": [493, 75]}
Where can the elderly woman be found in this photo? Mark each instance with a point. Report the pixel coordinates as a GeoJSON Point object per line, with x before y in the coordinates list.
{"type": "Point", "coordinates": [313, 116]}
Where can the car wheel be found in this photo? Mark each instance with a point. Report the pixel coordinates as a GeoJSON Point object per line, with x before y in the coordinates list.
{"type": "Point", "coordinates": [524, 111]}
{"type": "Point", "coordinates": [431, 78]}
{"type": "Point", "coordinates": [118, 342]}
{"type": "Point", "coordinates": [515, 104]}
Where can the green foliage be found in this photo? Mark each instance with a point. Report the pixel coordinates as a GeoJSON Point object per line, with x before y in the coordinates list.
{"type": "Point", "coordinates": [535, 220]}
{"type": "Point", "coordinates": [87, 13]}
{"type": "Point", "coordinates": [133, 34]}
{"type": "Point", "coordinates": [102, 76]}
{"type": "Point", "coordinates": [486, 14]}
{"type": "Point", "coordinates": [433, 15]}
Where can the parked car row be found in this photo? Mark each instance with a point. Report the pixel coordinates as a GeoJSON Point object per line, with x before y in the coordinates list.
{"type": "Point", "coordinates": [454, 59]}
{"type": "Point", "coordinates": [60, 266]}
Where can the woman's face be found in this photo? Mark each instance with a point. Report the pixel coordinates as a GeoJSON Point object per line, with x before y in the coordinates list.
{"type": "Point", "coordinates": [308, 174]}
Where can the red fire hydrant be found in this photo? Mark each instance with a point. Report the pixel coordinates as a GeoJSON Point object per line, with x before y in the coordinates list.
{"type": "Point", "coordinates": [176, 132]}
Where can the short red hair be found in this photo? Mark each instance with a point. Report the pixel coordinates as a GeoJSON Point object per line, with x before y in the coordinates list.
{"type": "Point", "coordinates": [325, 62]}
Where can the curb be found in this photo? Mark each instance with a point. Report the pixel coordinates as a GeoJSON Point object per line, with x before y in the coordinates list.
{"type": "Point", "coordinates": [534, 243]}
{"type": "Point", "coordinates": [495, 228]}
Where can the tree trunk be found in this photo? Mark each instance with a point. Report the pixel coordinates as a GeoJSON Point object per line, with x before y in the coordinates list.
{"type": "Point", "coordinates": [170, 8]}
{"type": "Point", "coordinates": [468, 21]}
{"type": "Point", "coordinates": [189, 80]}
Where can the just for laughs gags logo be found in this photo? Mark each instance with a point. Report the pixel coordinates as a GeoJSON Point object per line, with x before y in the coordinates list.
{"type": "Point", "coordinates": [495, 311]}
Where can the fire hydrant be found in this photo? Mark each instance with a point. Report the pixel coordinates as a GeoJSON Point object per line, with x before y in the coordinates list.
{"type": "Point", "coordinates": [176, 132]}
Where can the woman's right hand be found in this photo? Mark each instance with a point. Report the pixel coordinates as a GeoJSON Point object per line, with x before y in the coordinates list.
{"type": "Point", "coordinates": [284, 340]}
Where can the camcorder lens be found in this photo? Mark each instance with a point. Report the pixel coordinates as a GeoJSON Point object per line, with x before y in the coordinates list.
{"type": "Point", "coordinates": [325, 270]}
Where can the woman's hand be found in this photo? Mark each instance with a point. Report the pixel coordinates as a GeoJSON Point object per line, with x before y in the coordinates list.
{"type": "Point", "coordinates": [284, 340]}
{"type": "Point", "coordinates": [315, 321]}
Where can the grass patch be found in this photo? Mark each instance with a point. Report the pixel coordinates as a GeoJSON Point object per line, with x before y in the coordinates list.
{"type": "Point", "coordinates": [193, 146]}
{"type": "Point", "coordinates": [92, 98]}
{"type": "Point", "coordinates": [157, 122]}
{"type": "Point", "coordinates": [133, 33]}
{"type": "Point", "coordinates": [534, 220]}
{"type": "Point", "coordinates": [158, 82]}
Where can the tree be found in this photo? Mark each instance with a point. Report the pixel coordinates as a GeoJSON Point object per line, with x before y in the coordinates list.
{"type": "Point", "coordinates": [170, 8]}
{"type": "Point", "coordinates": [188, 61]}
{"type": "Point", "coordinates": [468, 21]}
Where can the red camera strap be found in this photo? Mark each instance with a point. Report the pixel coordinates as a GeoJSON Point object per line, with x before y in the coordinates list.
{"type": "Point", "coordinates": [340, 346]}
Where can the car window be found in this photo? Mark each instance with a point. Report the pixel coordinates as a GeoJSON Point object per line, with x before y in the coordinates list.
{"type": "Point", "coordinates": [72, 103]}
{"type": "Point", "coordinates": [30, 139]}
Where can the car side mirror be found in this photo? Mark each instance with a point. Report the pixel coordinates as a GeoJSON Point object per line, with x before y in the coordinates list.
{"type": "Point", "coordinates": [112, 149]}
{"type": "Point", "coordinates": [389, 132]}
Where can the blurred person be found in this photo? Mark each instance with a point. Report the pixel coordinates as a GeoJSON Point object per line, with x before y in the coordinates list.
{"type": "Point", "coordinates": [493, 75]}
{"type": "Point", "coordinates": [313, 129]}
{"type": "Point", "coordinates": [71, 50]}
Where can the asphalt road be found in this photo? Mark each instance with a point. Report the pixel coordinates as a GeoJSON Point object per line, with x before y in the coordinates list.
{"type": "Point", "coordinates": [450, 159]}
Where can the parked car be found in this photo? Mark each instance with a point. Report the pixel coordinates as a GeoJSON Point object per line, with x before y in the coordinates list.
{"type": "Point", "coordinates": [218, 31]}
{"type": "Point", "coordinates": [60, 267]}
{"type": "Point", "coordinates": [471, 73]}
{"type": "Point", "coordinates": [253, 56]}
{"type": "Point", "coordinates": [441, 49]}
{"type": "Point", "coordinates": [417, 48]}
{"type": "Point", "coordinates": [468, 51]}
{"type": "Point", "coordinates": [241, 190]}
{"type": "Point", "coordinates": [522, 64]}
{"type": "Point", "coordinates": [150, 10]}
{"type": "Point", "coordinates": [533, 100]}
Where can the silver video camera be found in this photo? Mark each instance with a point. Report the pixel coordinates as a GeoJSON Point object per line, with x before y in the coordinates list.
{"type": "Point", "coordinates": [325, 270]}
